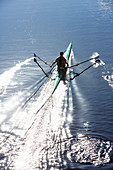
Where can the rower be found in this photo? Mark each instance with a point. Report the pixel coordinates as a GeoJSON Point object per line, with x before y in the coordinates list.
{"type": "Point", "coordinates": [61, 62]}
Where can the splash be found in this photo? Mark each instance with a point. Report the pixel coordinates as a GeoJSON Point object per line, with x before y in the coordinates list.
{"type": "Point", "coordinates": [99, 62]}
{"type": "Point", "coordinates": [108, 76]}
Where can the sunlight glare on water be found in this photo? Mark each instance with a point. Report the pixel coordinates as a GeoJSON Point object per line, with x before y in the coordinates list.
{"type": "Point", "coordinates": [106, 6]}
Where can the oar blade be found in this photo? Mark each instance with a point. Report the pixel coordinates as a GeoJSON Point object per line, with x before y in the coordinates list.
{"type": "Point", "coordinates": [94, 59]}
{"type": "Point", "coordinates": [97, 57]}
{"type": "Point", "coordinates": [35, 60]}
{"type": "Point", "coordinates": [98, 61]}
{"type": "Point", "coordinates": [35, 55]}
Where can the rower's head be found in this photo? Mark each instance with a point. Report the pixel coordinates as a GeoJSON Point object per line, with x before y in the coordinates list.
{"type": "Point", "coordinates": [61, 53]}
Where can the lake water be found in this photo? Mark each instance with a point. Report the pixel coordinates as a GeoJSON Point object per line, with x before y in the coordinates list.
{"type": "Point", "coordinates": [73, 129]}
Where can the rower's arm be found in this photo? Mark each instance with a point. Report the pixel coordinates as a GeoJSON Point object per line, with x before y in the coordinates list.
{"type": "Point", "coordinates": [67, 63]}
{"type": "Point", "coordinates": [53, 63]}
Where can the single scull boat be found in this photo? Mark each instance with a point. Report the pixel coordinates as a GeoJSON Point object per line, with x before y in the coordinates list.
{"type": "Point", "coordinates": [61, 74]}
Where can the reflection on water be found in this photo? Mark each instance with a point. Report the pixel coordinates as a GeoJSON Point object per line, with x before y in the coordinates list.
{"type": "Point", "coordinates": [106, 8]}
{"type": "Point", "coordinates": [106, 5]}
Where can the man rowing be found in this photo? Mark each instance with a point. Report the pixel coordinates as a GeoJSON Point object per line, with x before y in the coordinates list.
{"type": "Point", "coordinates": [61, 63]}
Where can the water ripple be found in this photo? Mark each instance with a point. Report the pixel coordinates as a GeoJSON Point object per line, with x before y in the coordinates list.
{"type": "Point", "coordinates": [89, 150]}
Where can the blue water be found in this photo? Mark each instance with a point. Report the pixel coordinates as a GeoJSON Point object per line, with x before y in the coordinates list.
{"type": "Point", "coordinates": [73, 128]}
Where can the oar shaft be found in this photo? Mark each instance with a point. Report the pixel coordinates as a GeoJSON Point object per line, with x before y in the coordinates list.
{"type": "Point", "coordinates": [77, 74]}
{"type": "Point", "coordinates": [87, 68]}
{"type": "Point", "coordinates": [84, 62]}
{"type": "Point", "coordinates": [41, 59]}
{"type": "Point", "coordinates": [40, 67]}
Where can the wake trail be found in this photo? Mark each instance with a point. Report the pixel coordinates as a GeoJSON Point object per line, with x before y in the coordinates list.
{"type": "Point", "coordinates": [42, 137]}
{"type": "Point", "coordinates": [7, 76]}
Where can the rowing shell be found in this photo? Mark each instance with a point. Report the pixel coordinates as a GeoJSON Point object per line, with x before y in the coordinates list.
{"type": "Point", "coordinates": [62, 73]}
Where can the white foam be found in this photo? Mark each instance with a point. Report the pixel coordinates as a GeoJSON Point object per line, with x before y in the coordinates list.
{"type": "Point", "coordinates": [7, 76]}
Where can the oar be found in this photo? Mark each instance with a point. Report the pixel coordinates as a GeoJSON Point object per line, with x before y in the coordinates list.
{"type": "Point", "coordinates": [41, 67]}
{"type": "Point", "coordinates": [84, 61]}
{"type": "Point", "coordinates": [77, 74]}
{"type": "Point", "coordinates": [41, 59]}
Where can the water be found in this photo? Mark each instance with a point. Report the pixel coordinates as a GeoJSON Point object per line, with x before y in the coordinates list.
{"type": "Point", "coordinates": [73, 128]}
